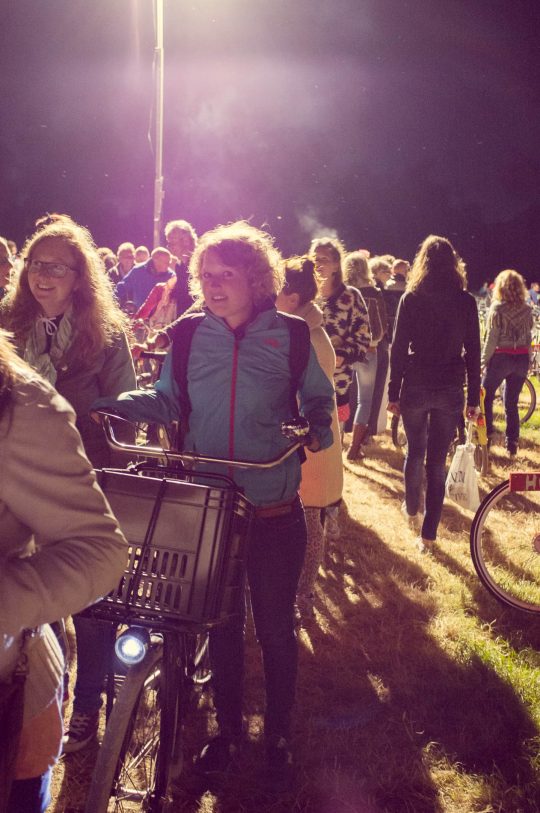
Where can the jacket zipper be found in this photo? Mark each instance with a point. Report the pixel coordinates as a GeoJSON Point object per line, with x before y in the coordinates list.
{"type": "Point", "coordinates": [232, 408]}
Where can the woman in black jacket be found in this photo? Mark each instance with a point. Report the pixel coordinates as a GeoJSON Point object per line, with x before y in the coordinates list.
{"type": "Point", "coordinates": [436, 347]}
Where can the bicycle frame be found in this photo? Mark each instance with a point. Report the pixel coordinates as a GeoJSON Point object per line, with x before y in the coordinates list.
{"type": "Point", "coordinates": [524, 481]}
{"type": "Point", "coordinates": [174, 662]}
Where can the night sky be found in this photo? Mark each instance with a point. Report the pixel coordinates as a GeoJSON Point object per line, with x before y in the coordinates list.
{"type": "Point", "coordinates": [378, 120]}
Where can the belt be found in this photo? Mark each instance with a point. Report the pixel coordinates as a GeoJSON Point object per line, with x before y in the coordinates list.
{"type": "Point", "coordinates": [512, 351]}
{"type": "Point", "coordinates": [278, 510]}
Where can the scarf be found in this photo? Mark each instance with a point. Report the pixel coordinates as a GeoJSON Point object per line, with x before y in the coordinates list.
{"type": "Point", "coordinates": [47, 364]}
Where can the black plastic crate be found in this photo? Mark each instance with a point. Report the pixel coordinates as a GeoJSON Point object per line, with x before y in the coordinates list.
{"type": "Point", "coordinates": [187, 549]}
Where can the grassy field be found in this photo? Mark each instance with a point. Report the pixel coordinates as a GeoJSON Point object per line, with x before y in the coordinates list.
{"type": "Point", "coordinates": [418, 693]}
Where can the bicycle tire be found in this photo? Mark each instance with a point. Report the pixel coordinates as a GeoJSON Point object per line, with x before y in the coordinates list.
{"type": "Point", "coordinates": [197, 659]}
{"type": "Point", "coordinates": [132, 768]}
{"type": "Point", "coordinates": [481, 459]}
{"type": "Point", "coordinates": [399, 438]}
{"type": "Point", "coordinates": [529, 386]}
{"type": "Point", "coordinates": [510, 572]}
{"type": "Point", "coordinates": [526, 405]}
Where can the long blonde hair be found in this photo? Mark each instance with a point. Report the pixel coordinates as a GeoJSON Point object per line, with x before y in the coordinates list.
{"type": "Point", "coordinates": [437, 265]}
{"type": "Point", "coordinates": [510, 287]}
{"type": "Point", "coordinates": [97, 317]}
{"type": "Point", "coordinates": [356, 270]}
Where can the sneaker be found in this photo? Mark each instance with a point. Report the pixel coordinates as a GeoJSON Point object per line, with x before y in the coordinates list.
{"type": "Point", "coordinates": [278, 773]}
{"type": "Point", "coordinates": [414, 521]}
{"type": "Point", "coordinates": [82, 729]}
{"type": "Point", "coordinates": [423, 545]}
{"type": "Point", "coordinates": [217, 756]}
{"type": "Point", "coordinates": [303, 610]}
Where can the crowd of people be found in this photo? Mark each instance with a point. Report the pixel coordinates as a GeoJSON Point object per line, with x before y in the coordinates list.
{"type": "Point", "coordinates": [378, 334]}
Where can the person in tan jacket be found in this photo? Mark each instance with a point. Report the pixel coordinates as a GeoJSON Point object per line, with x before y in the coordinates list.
{"type": "Point", "coordinates": [60, 550]}
{"type": "Point", "coordinates": [322, 473]}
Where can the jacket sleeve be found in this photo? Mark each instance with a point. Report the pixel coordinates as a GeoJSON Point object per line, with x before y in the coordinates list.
{"type": "Point", "coordinates": [160, 405]}
{"type": "Point", "coordinates": [118, 373]}
{"type": "Point", "coordinates": [400, 350]}
{"type": "Point", "coordinates": [80, 551]}
{"type": "Point", "coordinates": [317, 400]}
{"type": "Point", "coordinates": [472, 353]}
{"type": "Point", "coordinates": [356, 345]}
{"type": "Point", "coordinates": [152, 301]}
{"type": "Point", "coordinates": [492, 335]}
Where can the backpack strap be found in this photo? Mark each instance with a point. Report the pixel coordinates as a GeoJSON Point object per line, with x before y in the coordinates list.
{"type": "Point", "coordinates": [181, 335]}
{"type": "Point", "coordinates": [299, 349]}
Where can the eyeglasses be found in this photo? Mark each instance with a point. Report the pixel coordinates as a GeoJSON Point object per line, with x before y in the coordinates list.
{"type": "Point", "coordinates": [56, 270]}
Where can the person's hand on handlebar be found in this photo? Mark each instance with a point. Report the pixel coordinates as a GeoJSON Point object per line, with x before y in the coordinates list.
{"type": "Point", "coordinates": [393, 408]}
{"type": "Point", "coordinates": [298, 429]}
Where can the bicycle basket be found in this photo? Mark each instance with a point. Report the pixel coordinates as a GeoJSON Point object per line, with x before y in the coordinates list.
{"type": "Point", "coordinates": [187, 549]}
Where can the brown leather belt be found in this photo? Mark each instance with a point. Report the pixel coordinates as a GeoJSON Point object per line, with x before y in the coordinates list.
{"type": "Point", "coordinates": [278, 510]}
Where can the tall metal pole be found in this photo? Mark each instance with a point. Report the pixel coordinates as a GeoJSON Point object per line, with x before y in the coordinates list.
{"type": "Point", "coordinates": [158, 105]}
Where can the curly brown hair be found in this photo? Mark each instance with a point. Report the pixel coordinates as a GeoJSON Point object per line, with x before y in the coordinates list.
{"type": "Point", "coordinates": [510, 287]}
{"type": "Point", "coordinates": [97, 316]}
{"type": "Point", "coordinates": [240, 245]}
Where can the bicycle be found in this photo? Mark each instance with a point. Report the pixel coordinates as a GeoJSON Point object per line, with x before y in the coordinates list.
{"type": "Point", "coordinates": [511, 573]}
{"type": "Point", "coordinates": [173, 591]}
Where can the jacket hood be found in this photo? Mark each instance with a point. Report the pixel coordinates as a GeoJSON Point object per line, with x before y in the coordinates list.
{"type": "Point", "coordinates": [511, 310]}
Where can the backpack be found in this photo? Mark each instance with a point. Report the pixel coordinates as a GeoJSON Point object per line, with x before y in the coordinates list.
{"type": "Point", "coordinates": [377, 323]}
{"type": "Point", "coordinates": [181, 335]}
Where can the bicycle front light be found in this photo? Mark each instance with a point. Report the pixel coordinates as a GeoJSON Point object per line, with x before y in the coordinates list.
{"type": "Point", "coordinates": [132, 646]}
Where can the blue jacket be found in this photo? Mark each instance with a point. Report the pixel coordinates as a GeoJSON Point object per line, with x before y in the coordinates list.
{"type": "Point", "coordinates": [138, 283]}
{"type": "Point", "coordinates": [239, 388]}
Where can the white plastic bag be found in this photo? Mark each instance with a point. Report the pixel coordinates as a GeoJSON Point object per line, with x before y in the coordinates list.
{"type": "Point", "coordinates": [462, 479]}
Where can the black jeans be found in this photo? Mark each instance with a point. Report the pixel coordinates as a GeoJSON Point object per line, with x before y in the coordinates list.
{"type": "Point", "coordinates": [30, 795]}
{"type": "Point", "coordinates": [513, 370]}
{"type": "Point", "coordinates": [430, 417]}
{"type": "Point", "coordinates": [275, 560]}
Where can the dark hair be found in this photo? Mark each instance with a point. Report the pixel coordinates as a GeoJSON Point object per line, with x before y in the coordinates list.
{"type": "Point", "coordinates": [300, 279]}
{"type": "Point", "coordinates": [437, 265]}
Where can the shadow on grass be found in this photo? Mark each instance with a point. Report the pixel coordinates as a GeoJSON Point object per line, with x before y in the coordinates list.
{"type": "Point", "coordinates": [390, 696]}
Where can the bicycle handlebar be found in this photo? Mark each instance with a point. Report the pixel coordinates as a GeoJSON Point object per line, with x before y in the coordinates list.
{"type": "Point", "coordinates": [157, 452]}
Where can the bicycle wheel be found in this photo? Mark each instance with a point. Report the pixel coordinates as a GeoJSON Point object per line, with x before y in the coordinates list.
{"type": "Point", "coordinates": [132, 768]}
{"type": "Point", "coordinates": [505, 546]}
{"type": "Point", "coordinates": [527, 401]}
{"type": "Point", "coordinates": [481, 459]}
{"type": "Point", "coordinates": [197, 658]}
{"type": "Point", "coordinates": [526, 405]}
{"type": "Point", "coordinates": [399, 438]}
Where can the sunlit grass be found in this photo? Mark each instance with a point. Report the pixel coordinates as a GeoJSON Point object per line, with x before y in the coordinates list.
{"type": "Point", "coordinates": [417, 691]}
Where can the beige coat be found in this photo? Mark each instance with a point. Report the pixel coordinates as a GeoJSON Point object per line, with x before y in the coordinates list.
{"type": "Point", "coordinates": [60, 545]}
{"type": "Point", "coordinates": [322, 473]}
